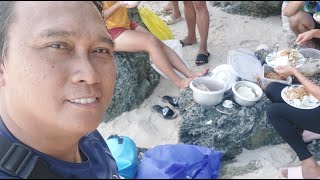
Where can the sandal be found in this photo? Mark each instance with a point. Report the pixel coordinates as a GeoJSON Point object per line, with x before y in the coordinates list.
{"type": "Point", "coordinates": [164, 112]}
{"type": "Point", "coordinates": [171, 100]}
{"type": "Point", "coordinates": [202, 59]}
{"type": "Point", "coordinates": [169, 19]}
{"type": "Point", "coordinates": [163, 11]}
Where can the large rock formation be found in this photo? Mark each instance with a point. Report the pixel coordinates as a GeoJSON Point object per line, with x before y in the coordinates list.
{"type": "Point", "coordinates": [251, 8]}
{"type": "Point", "coordinates": [136, 79]}
{"type": "Point", "coordinates": [248, 128]}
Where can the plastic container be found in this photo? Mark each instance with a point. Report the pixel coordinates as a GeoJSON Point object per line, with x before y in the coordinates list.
{"type": "Point", "coordinates": [265, 81]}
{"type": "Point", "coordinates": [311, 66]}
{"type": "Point", "coordinates": [214, 93]}
{"type": "Point", "coordinates": [247, 66]}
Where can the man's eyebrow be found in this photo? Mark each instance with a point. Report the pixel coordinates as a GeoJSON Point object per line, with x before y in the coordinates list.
{"type": "Point", "coordinates": [63, 33]}
{"type": "Point", "coordinates": [55, 33]}
{"type": "Point", "coordinates": [107, 40]}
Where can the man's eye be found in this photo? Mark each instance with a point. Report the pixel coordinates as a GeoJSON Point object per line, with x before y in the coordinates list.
{"type": "Point", "coordinates": [105, 51]}
{"type": "Point", "coordinates": [58, 46]}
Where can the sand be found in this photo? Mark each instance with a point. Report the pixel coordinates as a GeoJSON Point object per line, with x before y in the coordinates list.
{"type": "Point", "coordinates": [226, 32]}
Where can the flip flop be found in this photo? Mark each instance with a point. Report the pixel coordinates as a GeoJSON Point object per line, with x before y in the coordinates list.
{"type": "Point", "coordinates": [202, 59]}
{"type": "Point", "coordinates": [294, 172]}
{"type": "Point", "coordinates": [164, 112]}
{"type": "Point", "coordinates": [184, 44]}
{"type": "Point", "coordinates": [171, 100]}
{"type": "Point", "coordinates": [162, 11]}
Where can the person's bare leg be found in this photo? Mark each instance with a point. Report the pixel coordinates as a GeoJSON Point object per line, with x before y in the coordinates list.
{"type": "Point", "coordinates": [202, 18]}
{"type": "Point", "coordinates": [190, 15]}
{"type": "Point", "coordinates": [168, 6]}
{"type": "Point", "coordinates": [302, 22]}
{"type": "Point", "coordinates": [130, 41]}
{"type": "Point", "coordinates": [175, 10]}
{"type": "Point", "coordinates": [176, 61]}
{"type": "Point", "coordinates": [310, 169]}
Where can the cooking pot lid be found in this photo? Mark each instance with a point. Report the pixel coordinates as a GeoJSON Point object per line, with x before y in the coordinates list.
{"type": "Point", "coordinates": [246, 65]}
{"type": "Point", "coordinates": [226, 73]}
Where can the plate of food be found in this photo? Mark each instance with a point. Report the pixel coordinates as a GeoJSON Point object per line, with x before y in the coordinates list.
{"type": "Point", "coordinates": [298, 97]}
{"type": "Point", "coordinates": [285, 57]}
{"type": "Point", "coordinates": [316, 16]}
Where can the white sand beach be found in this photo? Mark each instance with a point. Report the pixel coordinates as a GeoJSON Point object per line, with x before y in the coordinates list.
{"type": "Point", "coordinates": [226, 32]}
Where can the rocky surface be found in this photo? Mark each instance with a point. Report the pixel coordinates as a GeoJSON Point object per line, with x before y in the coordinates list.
{"type": "Point", "coordinates": [136, 79]}
{"type": "Point", "coordinates": [248, 128]}
{"type": "Point", "coordinates": [251, 8]}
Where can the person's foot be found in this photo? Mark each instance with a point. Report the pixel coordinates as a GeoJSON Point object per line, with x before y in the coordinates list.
{"type": "Point", "coordinates": [201, 73]}
{"type": "Point", "coordinates": [310, 172]}
{"type": "Point", "coordinates": [309, 136]}
{"type": "Point", "coordinates": [184, 83]}
{"type": "Point", "coordinates": [188, 41]}
{"type": "Point", "coordinates": [170, 19]}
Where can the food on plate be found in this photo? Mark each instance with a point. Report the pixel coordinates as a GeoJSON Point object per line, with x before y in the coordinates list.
{"type": "Point", "coordinates": [273, 75]}
{"type": "Point", "coordinates": [286, 57]}
{"type": "Point", "coordinates": [246, 92]}
{"type": "Point", "coordinates": [296, 93]}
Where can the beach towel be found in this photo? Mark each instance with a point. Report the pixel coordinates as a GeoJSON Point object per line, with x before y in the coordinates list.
{"type": "Point", "coordinates": [180, 161]}
{"type": "Point", "coordinates": [155, 24]}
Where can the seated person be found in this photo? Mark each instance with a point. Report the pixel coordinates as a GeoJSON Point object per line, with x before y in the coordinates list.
{"type": "Point", "coordinates": [131, 37]}
{"type": "Point", "coordinates": [57, 77]}
{"type": "Point", "coordinates": [300, 14]}
{"type": "Point", "coordinates": [288, 121]}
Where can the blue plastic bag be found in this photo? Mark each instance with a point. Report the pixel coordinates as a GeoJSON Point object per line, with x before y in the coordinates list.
{"type": "Point", "coordinates": [125, 152]}
{"type": "Point", "coordinates": [180, 161]}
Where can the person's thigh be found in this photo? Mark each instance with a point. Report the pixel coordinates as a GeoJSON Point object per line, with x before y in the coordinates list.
{"type": "Point", "coordinates": [273, 92]}
{"type": "Point", "coordinates": [133, 41]}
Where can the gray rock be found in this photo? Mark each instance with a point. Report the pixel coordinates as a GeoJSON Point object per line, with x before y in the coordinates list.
{"type": "Point", "coordinates": [251, 8]}
{"type": "Point", "coordinates": [136, 79]}
{"type": "Point", "coordinates": [205, 126]}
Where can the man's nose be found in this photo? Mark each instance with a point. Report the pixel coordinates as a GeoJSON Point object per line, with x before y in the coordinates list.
{"type": "Point", "coordinates": [84, 70]}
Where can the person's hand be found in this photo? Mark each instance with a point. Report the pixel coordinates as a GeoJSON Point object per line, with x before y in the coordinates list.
{"type": "Point", "coordinates": [303, 38]}
{"type": "Point", "coordinates": [130, 4]}
{"type": "Point", "coordinates": [285, 71]}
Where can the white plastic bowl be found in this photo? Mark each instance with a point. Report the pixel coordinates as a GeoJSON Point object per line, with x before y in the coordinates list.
{"type": "Point", "coordinates": [245, 101]}
{"type": "Point", "coordinates": [209, 98]}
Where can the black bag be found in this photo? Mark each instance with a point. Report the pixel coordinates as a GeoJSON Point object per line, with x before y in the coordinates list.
{"type": "Point", "coordinates": [19, 160]}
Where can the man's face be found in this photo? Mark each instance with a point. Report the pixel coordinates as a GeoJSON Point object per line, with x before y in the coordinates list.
{"type": "Point", "coordinates": [59, 73]}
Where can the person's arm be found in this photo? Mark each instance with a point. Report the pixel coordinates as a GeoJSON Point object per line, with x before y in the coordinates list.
{"type": "Point", "coordinates": [292, 8]}
{"type": "Point", "coordinates": [310, 86]}
{"type": "Point", "coordinates": [304, 37]}
{"type": "Point", "coordinates": [108, 12]}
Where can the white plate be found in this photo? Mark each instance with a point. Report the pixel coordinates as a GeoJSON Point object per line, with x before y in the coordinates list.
{"type": "Point", "coordinates": [225, 72]}
{"type": "Point", "coordinates": [270, 60]}
{"type": "Point", "coordinates": [316, 16]}
{"type": "Point", "coordinates": [291, 103]}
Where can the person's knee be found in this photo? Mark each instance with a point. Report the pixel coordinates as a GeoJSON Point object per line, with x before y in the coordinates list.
{"type": "Point", "coordinates": [154, 42]}
{"type": "Point", "coordinates": [200, 6]}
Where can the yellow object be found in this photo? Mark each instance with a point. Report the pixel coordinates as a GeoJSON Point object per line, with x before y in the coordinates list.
{"type": "Point", "coordinates": [155, 24]}
{"type": "Point", "coordinates": [119, 18]}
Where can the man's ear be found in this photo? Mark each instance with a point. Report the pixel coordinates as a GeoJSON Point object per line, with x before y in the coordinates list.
{"type": "Point", "coordinates": [2, 70]}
